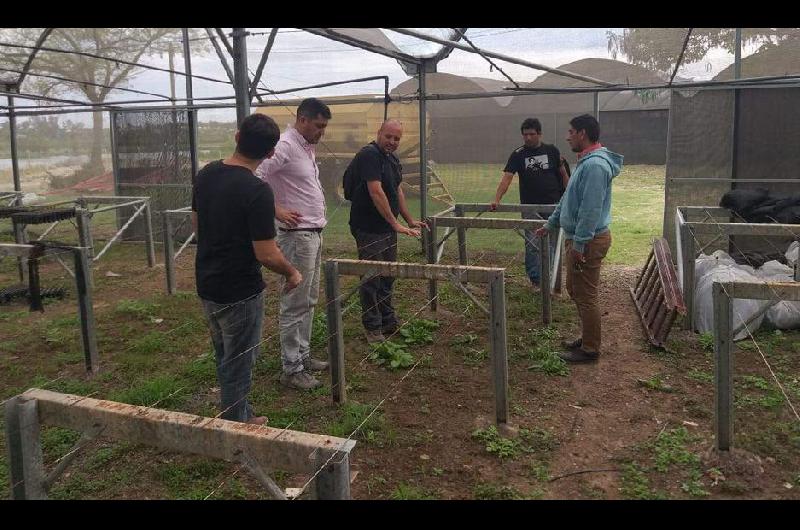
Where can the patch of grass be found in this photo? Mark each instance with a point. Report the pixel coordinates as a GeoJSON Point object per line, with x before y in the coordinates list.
{"type": "Point", "coordinates": [707, 341]}
{"type": "Point", "coordinates": [152, 343]}
{"type": "Point", "coordinates": [475, 356]}
{"type": "Point", "coordinates": [551, 364]}
{"type": "Point", "coordinates": [463, 340]}
{"type": "Point", "coordinates": [351, 415]}
{"type": "Point", "coordinates": [194, 480]}
{"type": "Point", "coordinates": [489, 491]}
{"type": "Point", "coordinates": [407, 492]}
{"type": "Point", "coordinates": [670, 449]}
{"type": "Point", "coordinates": [496, 444]}
{"type": "Point", "coordinates": [694, 486]}
{"type": "Point", "coordinates": [636, 485]}
{"type": "Point", "coordinates": [56, 442]}
{"type": "Point", "coordinates": [202, 370]}
{"type": "Point", "coordinates": [13, 315]}
{"type": "Point", "coordinates": [319, 331]}
{"type": "Point", "coordinates": [137, 308]}
{"type": "Point", "coordinates": [655, 383]}
{"type": "Point", "coordinates": [163, 391]}
{"type": "Point", "coordinates": [700, 375]}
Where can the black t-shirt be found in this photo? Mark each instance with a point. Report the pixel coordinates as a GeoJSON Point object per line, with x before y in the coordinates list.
{"type": "Point", "coordinates": [234, 208]}
{"type": "Point", "coordinates": [372, 164]}
{"type": "Point", "coordinates": [539, 178]}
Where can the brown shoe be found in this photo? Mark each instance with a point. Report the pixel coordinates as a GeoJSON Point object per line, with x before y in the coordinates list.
{"type": "Point", "coordinates": [258, 420]}
{"type": "Point", "coordinates": [572, 344]}
{"type": "Point", "coordinates": [314, 365]}
{"type": "Point", "coordinates": [579, 356]}
{"type": "Point", "coordinates": [375, 336]}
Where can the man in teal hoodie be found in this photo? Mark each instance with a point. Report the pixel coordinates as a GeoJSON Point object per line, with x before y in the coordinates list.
{"type": "Point", "coordinates": [584, 212]}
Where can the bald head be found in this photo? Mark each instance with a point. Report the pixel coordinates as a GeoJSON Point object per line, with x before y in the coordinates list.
{"type": "Point", "coordinates": [389, 135]}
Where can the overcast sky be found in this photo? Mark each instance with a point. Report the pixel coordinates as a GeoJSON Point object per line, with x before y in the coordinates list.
{"type": "Point", "coordinates": [300, 59]}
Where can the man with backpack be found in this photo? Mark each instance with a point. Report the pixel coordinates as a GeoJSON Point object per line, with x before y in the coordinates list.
{"type": "Point", "coordinates": [372, 184]}
{"type": "Point", "coordinates": [542, 179]}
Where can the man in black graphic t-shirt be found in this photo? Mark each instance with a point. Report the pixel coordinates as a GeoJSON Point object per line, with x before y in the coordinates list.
{"type": "Point", "coordinates": [233, 216]}
{"type": "Point", "coordinates": [542, 180]}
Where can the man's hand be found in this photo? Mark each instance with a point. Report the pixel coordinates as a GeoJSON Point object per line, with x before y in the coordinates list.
{"type": "Point", "coordinates": [400, 229]}
{"type": "Point", "coordinates": [288, 217]}
{"type": "Point", "coordinates": [540, 232]}
{"type": "Point", "coordinates": [577, 257]}
{"type": "Point", "coordinates": [493, 205]}
{"type": "Point", "coordinates": [419, 225]}
{"type": "Point", "coordinates": [293, 280]}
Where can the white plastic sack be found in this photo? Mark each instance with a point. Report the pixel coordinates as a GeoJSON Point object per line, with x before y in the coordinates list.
{"type": "Point", "coordinates": [792, 252]}
{"type": "Point", "coordinates": [742, 309]}
{"type": "Point", "coordinates": [783, 315]}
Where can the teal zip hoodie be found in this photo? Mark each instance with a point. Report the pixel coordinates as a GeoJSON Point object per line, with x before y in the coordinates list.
{"type": "Point", "coordinates": [585, 209]}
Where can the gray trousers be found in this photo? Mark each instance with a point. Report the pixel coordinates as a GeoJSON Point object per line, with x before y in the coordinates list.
{"type": "Point", "coordinates": [376, 294]}
{"type": "Point", "coordinates": [303, 249]}
{"type": "Point", "coordinates": [236, 335]}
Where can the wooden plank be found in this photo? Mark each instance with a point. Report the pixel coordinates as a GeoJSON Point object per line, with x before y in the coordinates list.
{"type": "Point", "coordinates": [333, 308]}
{"type": "Point", "coordinates": [491, 223]}
{"type": "Point", "coordinates": [499, 353]}
{"type": "Point", "coordinates": [789, 291]}
{"type": "Point", "coordinates": [639, 311]}
{"type": "Point", "coordinates": [669, 280]}
{"type": "Point", "coordinates": [745, 229]}
{"type": "Point", "coordinates": [485, 207]}
{"type": "Point", "coordinates": [350, 267]}
{"type": "Point", "coordinates": [187, 433]}
{"type": "Point", "coordinates": [24, 250]}
{"type": "Point", "coordinates": [723, 369]}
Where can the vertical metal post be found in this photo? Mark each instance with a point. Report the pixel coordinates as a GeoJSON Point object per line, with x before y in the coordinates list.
{"type": "Point", "coordinates": [86, 309]}
{"type": "Point", "coordinates": [191, 113]}
{"type": "Point", "coordinates": [333, 481]}
{"type": "Point", "coordinates": [21, 238]}
{"type": "Point", "coordinates": [499, 353]}
{"type": "Point", "coordinates": [423, 150]}
{"type": "Point", "coordinates": [797, 268]}
{"type": "Point", "coordinates": [687, 256]}
{"type": "Point", "coordinates": [431, 249]}
{"type": "Point", "coordinates": [112, 120]}
{"type": "Point", "coordinates": [169, 253]}
{"type": "Point", "coordinates": [544, 283]}
{"type": "Point", "coordinates": [461, 232]}
{"type": "Point", "coordinates": [240, 75]}
{"type": "Point", "coordinates": [24, 449]}
{"type": "Point", "coordinates": [85, 239]}
{"type": "Point", "coordinates": [723, 369]}
{"type": "Point", "coordinates": [151, 250]}
{"type": "Point", "coordinates": [333, 308]}
{"type": "Point", "coordinates": [737, 54]}
{"type": "Point", "coordinates": [12, 130]}
{"type": "Point", "coordinates": [596, 105]}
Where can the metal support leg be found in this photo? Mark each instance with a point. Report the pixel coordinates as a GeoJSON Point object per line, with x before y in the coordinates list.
{"type": "Point", "coordinates": [86, 309]}
{"type": "Point", "coordinates": [499, 353]}
{"type": "Point", "coordinates": [151, 251]}
{"type": "Point", "coordinates": [333, 481]}
{"type": "Point", "coordinates": [85, 240]}
{"type": "Point", "coordinates": [544, 271]}
{"type": "Point", "coordinates": [335, 338]}
{"type": "Point", "coordinates": [24, 449]}
{"type": "Point", "coordinates": [431, 248]}
{"type": "Point", "coordinates": [21, 239]}
{"type": "Point", "coordinates": [687, 256]}
{"type": "Point", "coordinates": [723, 369]}
{"type": "Point", "coordinates": [462, 238]}
{"type": "Point", "coordinates": [169, 253]}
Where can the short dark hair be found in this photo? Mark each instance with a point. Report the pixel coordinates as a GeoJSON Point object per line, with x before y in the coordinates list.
{"type": "Point", "coordinates": [312, 107]}
{"type": "Point", "coordinates": [588, 123]}
{"type": "Point", "coordinates": [531, 123]}
{"type": "Point", "coordinates": [258, 135]}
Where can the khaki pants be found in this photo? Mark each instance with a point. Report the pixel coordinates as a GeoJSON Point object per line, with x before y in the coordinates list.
{"type": "Point", "coordinates": [583, 279]}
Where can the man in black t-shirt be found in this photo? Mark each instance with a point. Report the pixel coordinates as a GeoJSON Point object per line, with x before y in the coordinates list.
{"type": "Point", "coordinates": [233, 216]}
{"type": "Point", "coordinates": [542, 180]}
{"type": "Point", "coordinates": [376, 201]}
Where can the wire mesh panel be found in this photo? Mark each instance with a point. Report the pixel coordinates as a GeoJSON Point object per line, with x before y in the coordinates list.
{"type": "Point", "coordinates": [152, 159]}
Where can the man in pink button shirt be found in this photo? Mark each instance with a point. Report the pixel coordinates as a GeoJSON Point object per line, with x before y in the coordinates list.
{"type": "Point", "coordinates": [293, 175]}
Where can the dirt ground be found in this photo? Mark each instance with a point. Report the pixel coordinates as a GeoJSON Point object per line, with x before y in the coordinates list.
{"type": "Point", "coordinates": [637, 424]}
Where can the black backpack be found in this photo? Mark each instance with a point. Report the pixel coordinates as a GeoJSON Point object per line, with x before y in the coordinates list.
{"type": "Point", "coordinates": [350, 180]}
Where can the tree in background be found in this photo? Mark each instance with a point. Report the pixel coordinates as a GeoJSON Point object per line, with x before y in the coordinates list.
{"type": "Point", "coordinates": [659, 48]}
{"type": "Point", "coordinates": [127, 44]}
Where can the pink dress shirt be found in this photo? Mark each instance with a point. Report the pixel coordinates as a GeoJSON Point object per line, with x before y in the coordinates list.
{"type": "Point", "coordinates": [293, 175]}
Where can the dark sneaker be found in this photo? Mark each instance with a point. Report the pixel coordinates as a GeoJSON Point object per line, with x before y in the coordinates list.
{"type": "Point", "coordinates": [579, 356]}
{"type": "Point", "coordinates": [314, 365]}
{"type": "Point", "coordinates": [375, 336]}
{"type": "Point", "coordinates": [258, 420]}
{"type": "Point", "coordinates": [391, 329]}
{"type": "Point", "coordinates": [300, 381]}
{"type": "Point", "coordinates": [572, 344]}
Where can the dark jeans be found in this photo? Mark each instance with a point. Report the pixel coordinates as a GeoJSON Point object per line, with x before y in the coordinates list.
{"type": "Point", "coordinates": [376, 294]}
{"type": "Point", "coordinates": [236, 334]}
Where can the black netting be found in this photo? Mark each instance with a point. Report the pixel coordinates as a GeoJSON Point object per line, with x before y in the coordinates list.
{"type": "Point", "coordinates": [152, 159]}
